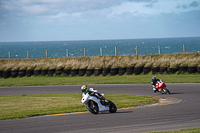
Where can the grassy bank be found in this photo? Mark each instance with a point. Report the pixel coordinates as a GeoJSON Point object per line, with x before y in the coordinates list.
{"type": "Point", "coordinates": [163, 60]}
{"type": "Point", "coordinates": [22, 106]}
{"type": "Point", "coordinates": [77, 80]}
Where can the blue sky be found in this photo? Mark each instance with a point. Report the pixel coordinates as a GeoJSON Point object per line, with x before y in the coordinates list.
{"type": "Point", "coordinates": [54, 20]}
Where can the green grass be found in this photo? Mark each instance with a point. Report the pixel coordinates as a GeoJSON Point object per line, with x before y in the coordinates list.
{"type": "Point", "coordinates": [77, 80]}
{"type": "Point", "coordinates": [194, 130]}
{"type": "Point", "coordinates": [22, 106]}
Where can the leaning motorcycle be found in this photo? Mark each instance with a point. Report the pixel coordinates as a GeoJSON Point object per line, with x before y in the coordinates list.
{"type": "Point", "coordinates": [95, 105]}
{"type": "Point", "coordinates": [162, 87]}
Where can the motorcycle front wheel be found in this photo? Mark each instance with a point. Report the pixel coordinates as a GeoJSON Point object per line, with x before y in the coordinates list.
{"type": "Point", "coordinates": [166, 91]}
{"type": "Point", "coordinates": [93, 107]}
{"type": "Point", "coordinates": [112, 107]}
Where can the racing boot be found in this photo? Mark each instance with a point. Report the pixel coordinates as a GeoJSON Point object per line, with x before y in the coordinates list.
{"type": "Point", "coordinates": [154, 90]}
{"type": "Point", "coordinates": [105, 101]}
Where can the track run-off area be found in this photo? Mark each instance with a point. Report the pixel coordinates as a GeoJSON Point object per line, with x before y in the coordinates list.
{"type": "Point", "coordinates": [178, 110]}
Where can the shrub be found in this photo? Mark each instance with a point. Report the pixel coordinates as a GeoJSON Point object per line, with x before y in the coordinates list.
{"type": "Point", "coordinates": [149, 64]}
{"type": "Point", "coordinates": [174, 65]}
{"type": "Point", "coordinates": [45, 68]}
{"type": "Point", "coordinates": [164, 64]}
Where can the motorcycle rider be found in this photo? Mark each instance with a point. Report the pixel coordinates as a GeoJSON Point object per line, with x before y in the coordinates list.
{"type": "Point", "coordinates": [153, 83]}
{"type": "Point", "coordinates": [93, 92]}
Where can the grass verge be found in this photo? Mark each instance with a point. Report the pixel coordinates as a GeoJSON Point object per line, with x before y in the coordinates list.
{"type": "Point", "coordinates": [194, 130]}
{"type": "Point", "coordinates": [76, 80]}
{"type": "Point", "coordinates": [22, 106]}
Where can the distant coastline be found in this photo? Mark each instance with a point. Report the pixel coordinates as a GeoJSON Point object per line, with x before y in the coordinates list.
{"type": "Point", "coordinates": [37, 49]}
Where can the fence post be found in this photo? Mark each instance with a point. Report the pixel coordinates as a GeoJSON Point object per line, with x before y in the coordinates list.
{"type": "Point", "coordinates": [101, 51]}
{"type": "Point", "coordinates": [136, 50]}
{"type": "Point", "coordinates": [84, 52]}
{"type": "Point", "coordinates": [46, 54]}
{"type": "Point", "coordinates": [27, 55]}
{"type": "Point", "coordinates": [67, 52]}
{"type": "Point", "coordinates": [9, 54]}
{"type": "Point", "coordinates": [159, 49]}
{"type": "Point", "coordinates": [184, 48]}
{"type": "Point", "coordinates": [115, 51]}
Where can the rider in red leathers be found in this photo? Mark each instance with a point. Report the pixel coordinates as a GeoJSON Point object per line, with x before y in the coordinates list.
{"type": "Point", "coordinates": [153, 83]}
{"type": "Point", "coordinates": [159, 85]}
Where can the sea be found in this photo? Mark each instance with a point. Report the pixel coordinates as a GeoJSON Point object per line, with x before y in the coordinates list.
{"type": "Point", "coordinates": [146, 46]}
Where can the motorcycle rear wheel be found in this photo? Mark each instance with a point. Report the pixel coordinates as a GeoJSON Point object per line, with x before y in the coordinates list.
{"type": "Point", "coordinates": [93, 107]}
{"type": "Point", "coordinates": [112, 107]}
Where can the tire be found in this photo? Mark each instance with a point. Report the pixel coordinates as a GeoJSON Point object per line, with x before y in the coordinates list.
{"type": "Point", "coordinates": [163, 70]}
{"type": "Point", "coordinates": [155, 70]}
{"type": "Point", "coordinates": [114, 71]}
{"type": "Point", "coordinates": [192, 70]}
{"type": "Point", "coordinates": [183, 69]}
{"type": "Point", "coordinates": [146, 70]}
{"type": "Point", "coordinates": [198, 69]}
{"type": "Point", "coordinates": [97, 72]}
{"type": "Point", "coordinates": [138, 70]}
{"type": "Point", "coordinates": [165, 91]}
{"type": "Point", "coordinates": [122, 70]}
{"type": "Point", "coordinates": [93, 107]}
{"type": "Point", "coordinates": [51, 72]}
{"type": "Point", "coordinates": [66, 72]}
{"type": "Point", "coordinates": [172, 70]}
{"type": "Point", "coordinates": [37, 72]}
{"type": "Point", "coordinates": [74, 72]}
{"type": "Point", "coordinates": [29, 72]}
{"type": "Point", "coordinates": [59, 72]}
{"type": "Point", "coordinates": [14, 73]}
{"type": "Point", "coordinates": [82, 72]}
{"type": "Point", "coordinates": [105, 71]}
{"type": "Point", "coordinates": [112, 107]}
{"type": "Point", "coordinates": [1, 74]}
{"type": "Point", "coordinates": [44, 72]}
{"type": "Point", "coordinates": [22, 73]}
{"type": "Point", "coordinates": [89, 72]}
{"type": "Point", "coordinates": [129, 70]}
{"type": "Point", "coordinates": [168, 92]}
{"type": "Point", "coordinates": [6, 74]}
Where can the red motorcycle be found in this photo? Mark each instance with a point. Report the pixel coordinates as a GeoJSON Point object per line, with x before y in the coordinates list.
{"type": "Point", "coordinates": [162, 87]}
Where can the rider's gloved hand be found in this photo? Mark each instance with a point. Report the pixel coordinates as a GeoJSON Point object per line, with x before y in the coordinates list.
{"type": "Point", "coordinates": [153, 87]}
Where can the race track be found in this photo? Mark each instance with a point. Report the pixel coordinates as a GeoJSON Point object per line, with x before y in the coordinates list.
{"type": "Point", "coordinates": [182, 115]}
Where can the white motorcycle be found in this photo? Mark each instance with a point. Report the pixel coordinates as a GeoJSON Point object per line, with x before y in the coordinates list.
{"type": "Point", "coordinates": [95, 105]}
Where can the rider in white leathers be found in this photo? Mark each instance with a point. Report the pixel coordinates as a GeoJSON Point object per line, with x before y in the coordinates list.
{"type": "Point", "coordinates": [92, 92]}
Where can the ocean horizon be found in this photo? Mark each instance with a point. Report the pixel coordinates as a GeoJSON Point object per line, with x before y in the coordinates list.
{"type": "Point", "coordinates": [75, 48]}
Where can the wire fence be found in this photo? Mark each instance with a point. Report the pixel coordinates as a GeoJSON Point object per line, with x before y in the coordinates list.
{"type": "Point", "coordinates": [46, 54]}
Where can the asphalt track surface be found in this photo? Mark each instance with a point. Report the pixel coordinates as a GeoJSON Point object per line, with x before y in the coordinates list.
{"type": "Point", "coordinates": [182, 115]}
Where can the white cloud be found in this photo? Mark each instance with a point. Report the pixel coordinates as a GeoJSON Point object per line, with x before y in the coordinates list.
{"type": "Point", "coordinates": [35, 9]}
{"type": "Point", "coordinates": [106, 8]}
{"type": "Point", "coordinates": [154, 8]}
{"type": "Point", "coordinates": [68, 6]}
{"type": "Point", "coordinates": [109, 18]}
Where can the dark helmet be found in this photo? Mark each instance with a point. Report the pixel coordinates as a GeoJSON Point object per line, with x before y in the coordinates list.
{"type": "Point", "coordinates": [84, 88]}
